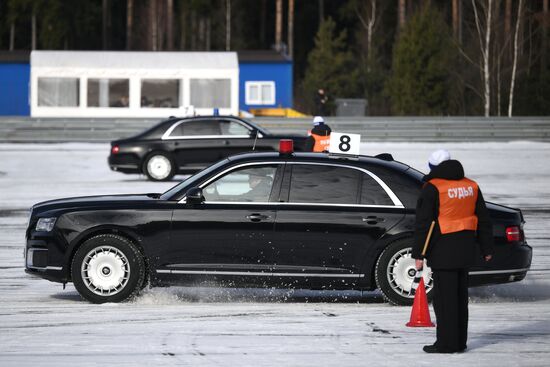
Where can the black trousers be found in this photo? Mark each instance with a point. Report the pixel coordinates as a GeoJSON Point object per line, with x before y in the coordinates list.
{"type": "Point", "coordinates": [450, 302]}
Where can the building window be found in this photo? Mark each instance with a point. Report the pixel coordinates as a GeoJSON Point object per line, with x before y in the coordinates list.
{"type": "Point", "coordinates": [160, 93]}
{"type": "Point", "coordinates": [58, 92]}
{"type": "Point", "coordinates": [260, 93]}
{"type": "Point", "coordinates": [108, 92]}
{"type": "Point", "coordinates": [211, 93]}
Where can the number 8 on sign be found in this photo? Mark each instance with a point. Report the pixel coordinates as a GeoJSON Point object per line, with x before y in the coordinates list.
{"type": "Point", "coordinates": [341, 143]}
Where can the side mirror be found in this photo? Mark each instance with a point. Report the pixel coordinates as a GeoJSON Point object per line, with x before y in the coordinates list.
{"type": "Point", "coordinates": [194, 196]}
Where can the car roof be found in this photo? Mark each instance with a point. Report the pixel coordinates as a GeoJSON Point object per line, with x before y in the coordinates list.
{"type": "Point", "coordinates": [384, 160]}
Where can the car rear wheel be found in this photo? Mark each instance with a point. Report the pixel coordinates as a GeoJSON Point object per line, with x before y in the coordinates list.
{"type": "Point", "coordinates": [159, 167]}
{"type": "Point", "coordinates": [395, 270]}
{"type": "Point", "coordinates": [108, 268]}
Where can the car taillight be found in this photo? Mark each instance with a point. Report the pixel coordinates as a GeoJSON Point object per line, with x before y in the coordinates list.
{"type": "Point", "coordinates": [115, 149]}
{"type": "Point", "coordinates": [513, 234]}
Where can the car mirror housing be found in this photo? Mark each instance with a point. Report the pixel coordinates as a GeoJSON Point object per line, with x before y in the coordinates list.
{"type": "Point", "coordinates": [194, 196]}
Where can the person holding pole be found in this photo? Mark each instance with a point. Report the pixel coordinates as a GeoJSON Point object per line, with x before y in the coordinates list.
{"type": "Point", "coordinates": [452, 226]}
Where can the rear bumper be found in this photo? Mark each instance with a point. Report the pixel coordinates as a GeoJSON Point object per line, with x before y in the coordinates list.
{"type": "Point", "coordinates": [515, 269]}
{"type": "Point", "coordinates": [124, 163]}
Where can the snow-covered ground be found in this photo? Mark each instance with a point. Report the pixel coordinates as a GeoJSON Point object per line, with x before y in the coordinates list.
{"type": "Point", "coordinates": [42, 324]}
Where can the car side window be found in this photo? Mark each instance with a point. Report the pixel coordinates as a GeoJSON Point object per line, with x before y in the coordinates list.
{"type": "Point", "coordinates": [372, 193]}
{"type": "Point", "coordinates": [196, 128]}
{"type": "Point", "coordinates": [321, 184]}
{"type": "Point", "coordinates": [233, 128]}
{"type": "Point", "coordinates": [247, 184]}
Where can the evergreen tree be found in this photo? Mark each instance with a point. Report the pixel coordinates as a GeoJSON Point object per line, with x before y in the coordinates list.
{"type": "Point", "coordinates": [421, 82]}
{"type": "Point", "coordinates": [331, 66]}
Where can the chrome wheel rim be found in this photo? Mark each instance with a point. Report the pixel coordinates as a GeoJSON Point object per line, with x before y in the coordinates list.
{"type": "Point", "coordinates": [105, 270]}
{"type": "Point", "coordinates": [159, 167]}
{"type": "Point", "coordinates": [400, 273]}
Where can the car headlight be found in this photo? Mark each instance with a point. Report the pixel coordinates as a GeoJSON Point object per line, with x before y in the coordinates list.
{"type": "Point", "coordinates": [45, 224]}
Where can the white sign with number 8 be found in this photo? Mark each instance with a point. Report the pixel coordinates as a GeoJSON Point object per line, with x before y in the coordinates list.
{"type": "Point", "coordinates": [342, 143]}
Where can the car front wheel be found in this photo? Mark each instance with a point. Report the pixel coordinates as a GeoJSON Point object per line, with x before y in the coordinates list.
{"type": "Point", "coordinates": [108, 268]}
{"type": "Point", "coordinates": [159, 167]}
{"type": "Point", "coordinates": [395, 270]}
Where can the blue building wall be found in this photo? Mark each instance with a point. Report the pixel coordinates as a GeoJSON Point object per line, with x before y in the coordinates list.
{"type": "Point", "coordinates": [14, 89]}
{"type": "Point", "coordinates": [278, 72]}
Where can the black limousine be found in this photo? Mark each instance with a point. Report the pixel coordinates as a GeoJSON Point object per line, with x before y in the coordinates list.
{"type": "Point", "coordinates": [183, 145]}
{"type": "Point", "coordinates": [291, 220]}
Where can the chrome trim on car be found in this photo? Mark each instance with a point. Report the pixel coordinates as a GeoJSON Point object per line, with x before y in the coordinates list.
{"type": "Point", "coordinates": [266, 267]}
{"type": "Point", "coordinates": [192, 137]}
{"type": "Point", "coordinates": [166, 135]}
{"type": "Point", "coordinates": [56, 268]}
{"type": "Point", "coordinates": [507, 271]}
{"type": "Point", "coordinates": [254, 273]}
{"type": "Point", "coordinates": [125, 165]}
{"type": "Point", "coordinates": [397, 203]}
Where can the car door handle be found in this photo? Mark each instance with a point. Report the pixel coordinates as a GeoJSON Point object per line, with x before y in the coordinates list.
{"type": "Point", "coordinates": [226, 142]}
{"type": "Point", "coordinates": [255, 217]}
{"type": "Point", "coordinates": [371, 219]}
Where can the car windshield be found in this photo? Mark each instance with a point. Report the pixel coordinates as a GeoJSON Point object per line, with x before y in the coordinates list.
{"type": "Point", "coordinates": [172, 194]}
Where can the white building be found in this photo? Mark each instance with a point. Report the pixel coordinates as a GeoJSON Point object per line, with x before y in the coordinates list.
{"type": "Point", "coordinates": [133, 84]}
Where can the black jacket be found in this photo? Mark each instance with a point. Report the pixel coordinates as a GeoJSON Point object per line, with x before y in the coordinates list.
{"type": "Point", "coordinates": [453, 250]}
{"type": "Point", "coordinates": [321, 129]}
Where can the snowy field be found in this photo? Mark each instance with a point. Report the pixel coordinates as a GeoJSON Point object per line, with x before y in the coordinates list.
{"type": "Point", "coordinates": [43, 325]}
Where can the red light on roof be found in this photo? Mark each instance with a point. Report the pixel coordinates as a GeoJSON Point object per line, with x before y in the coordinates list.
{"type": "Point", "coordinates": [286, 146]}
{"type": "Point", "coordinates": [115, 149]}
{"type": "Point", "coordinates": [513, 234]}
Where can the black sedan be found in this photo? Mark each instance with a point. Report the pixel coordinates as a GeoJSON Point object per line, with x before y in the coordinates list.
{"type": "Point", "coordinates": [302, 220]}
{"type": "Point", "coordinates": [180, 145]}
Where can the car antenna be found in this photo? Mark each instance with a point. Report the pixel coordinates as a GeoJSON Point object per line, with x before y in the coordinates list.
{"type": "Point", "coordinates": [255, 140]}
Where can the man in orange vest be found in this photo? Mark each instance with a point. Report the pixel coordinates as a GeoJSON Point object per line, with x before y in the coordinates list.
{"type": "Point", "coordinates": [319, 137]}
{"type": "Point", "coordinates": [462, 223]}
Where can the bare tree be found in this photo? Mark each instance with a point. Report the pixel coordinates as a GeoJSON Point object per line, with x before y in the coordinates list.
{"type": "Point", "coordinates": [544, 38]}
{"type": "Point", "coordinates": [401, 14]}
{"type": "Point", "coordinates": [33, 36]}
{"type": "Point", "coordinates": [278, 24]}
{"type": "Point", "coordinates": [457, 19]}
{"type": "Point", "coordinates": [228, 25]}
{"type": "Point", "coordinates": [485, 47]}
{"type": "Point", "coordinates": [170, 25]}
{"type": "Point", "coordinates": [367, 17]}
{"type": "Point", "coordinates": [183, 28]}
{"type": "Point", "coordinates": [12, 35]}
{"type": "Point", "coordinates": [106, 23]}
{"type": "Point", "coordinates": [514, 67]}
{"type": "Point", "coordinates": [290, 28]}
{"type": "Point", "coordinates": [129, 23]}
{"type": "Point", "coordinates": [153, 23]}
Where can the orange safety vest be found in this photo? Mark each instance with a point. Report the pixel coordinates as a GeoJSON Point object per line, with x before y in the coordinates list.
{"type": "Point", "coordinates": [457, 204]}
{"type": "Point", "coordinates": [322, 142]}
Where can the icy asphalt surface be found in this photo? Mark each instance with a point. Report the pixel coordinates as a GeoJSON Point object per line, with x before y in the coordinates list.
{"type": "Point", "coordinates": [43, 325]}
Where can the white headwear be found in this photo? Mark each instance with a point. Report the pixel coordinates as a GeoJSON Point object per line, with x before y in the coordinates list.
{"type": "Point", "coordinates": [438, 156]}
{"type": "Point", "coordinates": [318, 120]}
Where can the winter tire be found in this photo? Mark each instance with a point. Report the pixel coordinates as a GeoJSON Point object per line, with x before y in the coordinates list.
{"type": "Point", "coordinates": [159, 167]}
{"type": "Point", "coordinates": [395, 270]}
{"type": "Point", "coordinates": [108, 268]}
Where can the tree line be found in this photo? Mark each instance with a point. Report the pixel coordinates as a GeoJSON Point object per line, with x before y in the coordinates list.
{"type": "Point", "coordinates": [406, 57]}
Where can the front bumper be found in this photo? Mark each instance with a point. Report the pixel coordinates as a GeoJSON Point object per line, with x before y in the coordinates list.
{"type": "Point", "coordinates": [42, 259]}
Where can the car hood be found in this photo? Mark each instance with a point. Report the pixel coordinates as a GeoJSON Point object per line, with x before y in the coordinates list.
{"type": "Point", "coordinates": [91, 201]}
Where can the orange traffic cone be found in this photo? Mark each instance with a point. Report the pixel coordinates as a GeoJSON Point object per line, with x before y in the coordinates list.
{"type": "Point", "coordinates": [420, 314]}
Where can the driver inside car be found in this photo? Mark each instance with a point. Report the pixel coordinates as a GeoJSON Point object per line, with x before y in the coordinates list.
{"type": "Point", "coordinates": [260, 187]}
